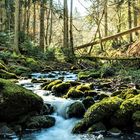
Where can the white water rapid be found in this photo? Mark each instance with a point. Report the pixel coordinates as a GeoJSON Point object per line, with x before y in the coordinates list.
{"type": "Point", "coordinates": [63, 126]}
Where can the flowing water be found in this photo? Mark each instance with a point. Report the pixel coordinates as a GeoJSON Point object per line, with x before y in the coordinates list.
{"type": "Point", "coordinates": [63, 126]}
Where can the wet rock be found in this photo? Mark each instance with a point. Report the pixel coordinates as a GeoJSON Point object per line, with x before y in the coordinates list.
{"type": "Point", "coordinates": [91, 93]}
{"type": "Point", "coordinates": [88, 101]}
{"type": "Point", "coordinates": [16, 101]}
{"type": "Point", "coordinates": [53, 83]}
{"type": "Point", "coordinates": [6, 132]}
{"type": "Point", "coordinates": [97, 127]}
{"type": "Point", "coordinates": [102, 96]}
{"type": "Point", "coordinates": [61, 89]}
{"type": "Point", "coordinates": [136, 120]}
{"type": "Point", "coordinates": [76, 110]}
{"type": "Point", "coordinates": [114, 131]}
{"type": "Point", "coordinates": [74, 93]}
{"type": "Point", "coordinates": [83, 87]}
{"type": "Point", "coordinates": [47, 109]}
{"type": "Point", "coordinates": [38, 122]}
{"type": "Point", "coordinates": [98, 112]}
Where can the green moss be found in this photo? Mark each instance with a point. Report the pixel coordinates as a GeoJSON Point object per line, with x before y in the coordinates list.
{"type": "Point", "coordinates": [61, 88]}
{"type": "Point", "coordinates": [86, 74]}
{"type": "Point", "coordinates": [136, 116]}
{"type": "Point", "coordinates": [76, 110]}
{"type": "Point", "coordinates": [91, 93]}
{"type": "Point", "coordinates": [17, 101]}
{"type": "Point", "coordinates": [74, 93]}
{"type": "Point", "coordinates": [83, 87]}
{"type": "Point", "coordinates": [7, 75]}
{"type": "Point", "coordinates": [2, 66]}
{"type": "Point", "coordinates": [103, 109]}
{"type": "Point", "coordinates": [88, 101]}
{"type": "Point", "coordinates": [38, 122]}
{"type": "Point", "coordinates": [18, 70]}
{"type": "Point", "coordinates": [50, 85]}
{"type": "Point", "coordinates": [97, 127]}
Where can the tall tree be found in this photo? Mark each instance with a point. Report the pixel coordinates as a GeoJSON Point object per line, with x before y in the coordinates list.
{"type": "Point", "coordinates": [16, 37]}
{"type": "Point", "coordinates": [130, 18]}
{"type": "Point", "coordinates": [71, 27]}
{"type": "Point", "coordinates": [42, 33]}
{"type": "Point", "coordinates": [65, 31]}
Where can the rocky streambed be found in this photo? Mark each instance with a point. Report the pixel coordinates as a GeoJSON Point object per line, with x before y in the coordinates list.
{"type": "Point", "coordinates": [98, 109]}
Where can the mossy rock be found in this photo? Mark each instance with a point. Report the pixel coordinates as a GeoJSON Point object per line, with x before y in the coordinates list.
{"type": "Point", "coordinates": [97, 127]}
{"type": "Point", "coordinates": [128, 93]}
{"type": "Point", "coordinates": [7, 75]}
{"type": "Point", "coordinates": [18, 70]}
{"type": "Point", "coordinates": [116, 93]}
{"type": "Point", "coordinates": [83, 87]}
{"type": "Point", "coordinates": [16, 101]}
{"type": "Point", "coordinates": [76, 110]}
{"type": "Point", "coordinates": [136, 116]}
{"type": "Point", "coordinates": [80, 127]}
{"type": "Point", "coordinates": [74, 83]}
{"type": "Point", "coordinates": [114, 131]}
{"type": "Point", "coordinates": [91, 93]}
{"type": "Point", "coordinates": [74, 93]}
{"type": "Point", "coordinates": [53, 83]}
{"type": "Point", "coordinates": [87, 74]}
{"type": "Point", "coordinates": [98, 112]}
{"type": "Point", "coordinates": [102, 96]}
{"type": "Point", "coordinates": [2, 66]}
{"type": "Point", "coordinates": [103, 109]}
{"type": "Point", "coordinates": [61, 89]}
{"type": "Point", "coordinates": [88, 101]}
{"type": "Point", "coordinates": [38, 122]}
{"type": "Point", "coordinates": [45, 84]}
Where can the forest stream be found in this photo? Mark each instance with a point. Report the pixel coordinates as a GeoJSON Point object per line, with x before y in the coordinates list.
{"type": "Point", "coordinates": [63, 126]}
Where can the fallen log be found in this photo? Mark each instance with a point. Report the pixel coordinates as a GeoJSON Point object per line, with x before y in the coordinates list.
{"type": "Point", "coordinates": [107, 38]}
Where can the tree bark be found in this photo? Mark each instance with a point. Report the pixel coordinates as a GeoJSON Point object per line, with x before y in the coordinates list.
{"type": "Point", "coordinates": [16, 37]}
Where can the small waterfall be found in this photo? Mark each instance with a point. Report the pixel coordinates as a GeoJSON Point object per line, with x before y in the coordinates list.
{"type": "Point", "coordinates": [63, 127]}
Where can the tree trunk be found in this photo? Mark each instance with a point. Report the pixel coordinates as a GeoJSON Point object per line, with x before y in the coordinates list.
{"type": "Point", "coordinates": [34, 22]}
{"type": "Point", "coordinates": [51, 19]}
{"type": "Point", "coordinates": [130, 20]}
{"type": "Point", "coordinates": [16, 37]}
{"type": "Point", "coordinates": [42, 11]}
{"type": "Point", "coordinates": [106, 19]}
{"type": "Point", "coordinates": [65, 34]}
{"type": "Point", "coordinates": [71, 27]}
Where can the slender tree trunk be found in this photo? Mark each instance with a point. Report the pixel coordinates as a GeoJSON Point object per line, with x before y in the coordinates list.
{"type": "Point", "coordinates": [51, 19]}
{"type": "Point", "coordinates": [25, 16]}
{"type": "Point", "coordinates": [65, 34]}
{"type": "Point", "coordinates": [135, 15]}
{"type": "Point", "coordinates": [130, 19]}
{"type": "Point", "coordinates": [16, 37]}
{"type": "Point", "coordinates": [106, 19]}
{"type": "Point", "coordinates": [71, 27]}
{"type": "Point", "coordinates": [28, 16]}
{"type": "Point", "coordinates": [42, 35]}
{"type": "Point", "coordinates": [34, 22]}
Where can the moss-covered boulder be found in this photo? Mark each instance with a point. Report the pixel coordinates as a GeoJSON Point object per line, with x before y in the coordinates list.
{"type": "Point", "coordinates": [38, 122]}
{"type": "Point", "coordinates": [53, 83]}
{"type": "Point", "coordinates": [74, 93]}
{"type": "Point", "coordinates": [20, 70]}
{"type": "Point", "coordinates": [97, 127]}
{"type": "Point", "coordinates": [16, 101]}
{"type": "Point", "coordinates": [98, 112]}
{"type": "Point", "coordinates": [61, 89]}
{"type": "Point", "coordinates": [88, 101]}
{"type": "Point", "coordinates": [7, 75]}
{"type": "Point", "coordinates": [91, 93]}
{"type": "Point", "coordinates": [114, 131]}
{"type": "Point", "coordinates": [84, 87]}
{"type": "Point", "coordinates": [76, 110]}
{"type": "Point", "coordinates": [123, 116]}
{"type": "Point", "coordinates": [136, 121]}
{"type": "Point", "coordinates": [128, 93]}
